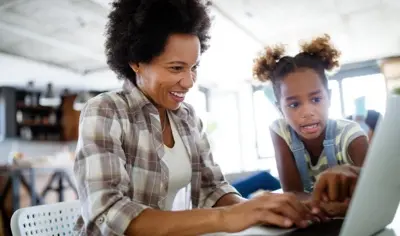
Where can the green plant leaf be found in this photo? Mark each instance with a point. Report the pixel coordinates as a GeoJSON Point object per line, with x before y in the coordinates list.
{"type": "Point", "coordinates": [396, 91]}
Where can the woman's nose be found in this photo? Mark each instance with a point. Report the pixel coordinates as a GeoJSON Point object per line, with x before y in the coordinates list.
{"type": "Point", "coordinates": [188, 80]}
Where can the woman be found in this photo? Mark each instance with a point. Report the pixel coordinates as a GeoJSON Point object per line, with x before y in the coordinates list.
{"type": "Point", "coordinates": [139, 146]}
{"type": "Point", "coordinates": [308, 144]}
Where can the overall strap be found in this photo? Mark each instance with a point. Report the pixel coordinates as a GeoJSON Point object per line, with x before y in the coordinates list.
{"type": "Point", "coordinates": [329, 143]}
{"type": "Point", "coordinates": [298, 150]}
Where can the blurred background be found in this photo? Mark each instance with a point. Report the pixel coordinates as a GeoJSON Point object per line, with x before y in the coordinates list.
{"type": "Point", "coordinates": [52, 61]}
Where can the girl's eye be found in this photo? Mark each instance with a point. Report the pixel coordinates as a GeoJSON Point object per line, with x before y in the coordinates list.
{"type": "Point", "coordinates": [317, 99]}
{"type": "Point", "coordinates": [293, 105]}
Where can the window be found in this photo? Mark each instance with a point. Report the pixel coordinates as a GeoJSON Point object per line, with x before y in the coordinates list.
{"type": "Point", "coordinates": [198, 99]}
{"type": "Point", "coordinates": [373, 87]}
{"type": "Point", "coordinates": [265, 112]}
{"type": "Point", "coordinates": [223, 126]}
{"type": "Point", "coordinates": [335, 111]}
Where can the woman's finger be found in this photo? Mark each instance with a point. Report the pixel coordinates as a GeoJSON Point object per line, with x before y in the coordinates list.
{"type": "Point", "coordinates": [293, 215]}
{"type": "Point", "coordinates": [271, 218]}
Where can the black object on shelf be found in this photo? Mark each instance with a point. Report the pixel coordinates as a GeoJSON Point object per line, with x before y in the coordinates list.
{"type": "Point", "coordinates": [26, 119]}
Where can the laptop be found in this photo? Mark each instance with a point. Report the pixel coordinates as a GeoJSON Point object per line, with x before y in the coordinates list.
{"type": "Point", "coordinates": [377, 194]}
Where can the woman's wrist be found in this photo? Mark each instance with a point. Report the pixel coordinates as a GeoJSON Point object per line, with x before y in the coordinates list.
{"type": "Point", "coordinates": [217, 219]}
{"type": "Point", "coordinates": [229, 199]}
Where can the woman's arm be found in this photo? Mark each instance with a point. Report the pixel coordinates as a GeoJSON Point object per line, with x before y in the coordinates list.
{"type": "Point", "coordinates": [102, 180]}
{"type": "Point", "coordinates": [289, 175]}
{"type": "Point", "coordinates": [229, 199]}
{"type": "Point", "coordinates": [282, 210]}
{"type": "Point", "coordinates": [190, 222]}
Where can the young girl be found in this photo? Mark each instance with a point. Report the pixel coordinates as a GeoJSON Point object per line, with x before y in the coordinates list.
{"type": "Point", "coordinates": [306, 141]}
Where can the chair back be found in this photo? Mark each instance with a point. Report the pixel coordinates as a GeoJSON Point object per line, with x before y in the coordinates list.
{"type": "Point", "coordinates": [51, 219]}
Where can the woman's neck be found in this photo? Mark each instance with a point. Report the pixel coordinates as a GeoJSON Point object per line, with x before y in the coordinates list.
{"type": "Point", "coordinates": [160, 109]}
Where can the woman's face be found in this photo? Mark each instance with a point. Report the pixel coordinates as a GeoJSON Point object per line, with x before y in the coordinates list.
{"type": "Point", "coordinates": [305, 102]}
{"type": "Point", "coordinates": [169, 76]}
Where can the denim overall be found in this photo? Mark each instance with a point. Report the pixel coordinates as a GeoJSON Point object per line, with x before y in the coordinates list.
{"type": "Point", "coordinates": [299, 153]}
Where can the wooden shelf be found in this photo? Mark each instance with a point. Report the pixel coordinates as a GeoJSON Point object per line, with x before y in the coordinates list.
{"type": "Point", "coordinates": [36, 108]}
{"type": "Point", "coordinates": [32, 124]}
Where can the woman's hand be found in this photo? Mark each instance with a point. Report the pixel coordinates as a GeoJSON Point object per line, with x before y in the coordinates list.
{"type": "Point", "coordinates": [283, 210]}
{"type": "Point", "coordinates": [336, 184]}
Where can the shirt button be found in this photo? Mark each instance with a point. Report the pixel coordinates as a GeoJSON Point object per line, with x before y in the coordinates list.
{"type": "Point", "coordinates": [100, 220]}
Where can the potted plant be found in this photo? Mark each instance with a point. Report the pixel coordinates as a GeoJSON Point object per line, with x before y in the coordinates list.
{"type": "Point", "coordinates": [396, 91]}
{"type": "Point", "coordinates": [393, 103]}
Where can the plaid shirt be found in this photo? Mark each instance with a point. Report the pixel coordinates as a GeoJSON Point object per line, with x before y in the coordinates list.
{"type": "Point", "coordinates": [119, 167]}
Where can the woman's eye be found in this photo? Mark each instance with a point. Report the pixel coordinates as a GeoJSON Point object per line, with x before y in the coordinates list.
{"type": "Point", "coordinates": [176, 68]}
{"type": "Point", "coordinates": [194, 68]}
{"type": "Point", "coordinates": [293, 105]}
{"type": "Point", "coordinates": [316, 100]}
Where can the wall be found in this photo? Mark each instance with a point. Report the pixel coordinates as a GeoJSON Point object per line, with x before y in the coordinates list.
{"type": "Point", "coordinates": [391, 69]}
{"type": "Point", "coordinates": [8, 111]}
{"type": "Point", "coordinates": [32, 149]}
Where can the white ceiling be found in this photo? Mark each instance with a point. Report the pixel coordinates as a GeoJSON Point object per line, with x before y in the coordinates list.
{"type": "Point", "coordinates": [361, 29]}
{"type": "Point", "coordinates": [62, 40]}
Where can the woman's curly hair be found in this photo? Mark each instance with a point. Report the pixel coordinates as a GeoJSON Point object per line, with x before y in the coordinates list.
{"type": "Point", "coordinates": [319, 55]}
{"type": "Point", "coordinates": [137, 30]}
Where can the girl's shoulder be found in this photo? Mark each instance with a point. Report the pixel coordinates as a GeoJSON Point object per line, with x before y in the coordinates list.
{"type": "Point", "coordinates": [347, 131]}
{"type": "Point", "coordinates": [281, 128]}
{"type": "Point", "coordinates": [344, 127]}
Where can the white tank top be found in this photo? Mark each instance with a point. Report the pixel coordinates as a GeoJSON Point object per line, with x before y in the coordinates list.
{"type": "Point", "coordinates": [180, 170]}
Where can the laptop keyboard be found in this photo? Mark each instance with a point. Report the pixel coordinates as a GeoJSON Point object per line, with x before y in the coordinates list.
{"type": "Point", "coordinates": [331, 228]}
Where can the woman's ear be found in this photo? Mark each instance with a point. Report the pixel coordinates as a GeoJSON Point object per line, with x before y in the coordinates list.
{"type": "Point", "coordinates": [135, 67]}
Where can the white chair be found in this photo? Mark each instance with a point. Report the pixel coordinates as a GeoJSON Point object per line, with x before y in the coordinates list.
{"type": "Point", "coordinates": [53, 219]}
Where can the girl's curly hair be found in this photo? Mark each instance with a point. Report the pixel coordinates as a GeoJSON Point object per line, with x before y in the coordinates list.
{"type": "Point", "coordinates": [319, 55]}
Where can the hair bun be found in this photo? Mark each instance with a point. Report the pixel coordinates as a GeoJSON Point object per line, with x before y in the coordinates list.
{"type": "Point", "coordinates": [322, 47]}
{"type": "Point", "coordinates": [265, 64]}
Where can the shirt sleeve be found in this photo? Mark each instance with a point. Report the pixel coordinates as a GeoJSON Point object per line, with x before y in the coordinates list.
{"type": "Point", "coordinates": [352, 131]}
{"type": "Point", "coordinates": [280, 127]}
{"type": "Point", "coordinates": [213, 183]}
{"type": "Point", "coordinates": [99, 168]}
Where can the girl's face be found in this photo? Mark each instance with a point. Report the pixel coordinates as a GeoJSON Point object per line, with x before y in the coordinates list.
{"type": "Point", "coordinates": [305, 102]}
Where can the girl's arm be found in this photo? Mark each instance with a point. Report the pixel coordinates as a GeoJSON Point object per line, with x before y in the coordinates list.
{"type": "Point", "coordinates": [288, 174]}
{"type": "Point", "coordinates": [357, 150]}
